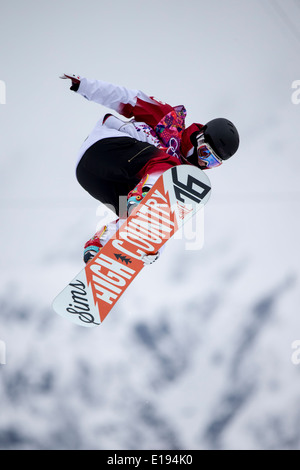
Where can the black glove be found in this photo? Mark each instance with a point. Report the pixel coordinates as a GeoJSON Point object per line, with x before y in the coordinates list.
{"type": "Point", "coordinates": [75, 81]}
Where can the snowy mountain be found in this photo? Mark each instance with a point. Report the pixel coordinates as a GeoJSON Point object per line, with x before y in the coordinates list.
{"type": "Point", "coordinates": [198, 353]}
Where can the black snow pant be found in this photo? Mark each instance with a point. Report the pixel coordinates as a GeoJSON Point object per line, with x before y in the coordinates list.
{"type": "Point", "coordinates": [112, 167]}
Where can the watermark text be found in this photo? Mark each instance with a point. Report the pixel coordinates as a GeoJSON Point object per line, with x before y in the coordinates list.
{"type": "Point", "coordinates": [2, 352]}
{"type": "Point", "coordinates": [296, 94]}
{"type": "Point", "coordinates": [295, 357]}
{"type": "Point", "coordinates": [192, 232]}
{"type": "Point", "coordinates": [2, 92]}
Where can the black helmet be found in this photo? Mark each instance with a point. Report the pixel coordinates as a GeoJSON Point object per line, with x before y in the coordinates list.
{"type": "Point", "coordinates": [222, 136]}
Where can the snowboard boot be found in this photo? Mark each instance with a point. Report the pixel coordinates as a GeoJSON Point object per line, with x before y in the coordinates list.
{"type": "Point", "coordinates": [137, 194]}
{"type": "Point", "coordinates": [96, 243]}
{"type": "Point", "coordinates": [93, 246]}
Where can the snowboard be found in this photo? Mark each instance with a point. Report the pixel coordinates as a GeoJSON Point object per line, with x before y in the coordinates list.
{"type": "Point", "coordinates": [175, 197]}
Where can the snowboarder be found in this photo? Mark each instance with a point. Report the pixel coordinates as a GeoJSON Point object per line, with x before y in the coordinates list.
{"type": "Point", "coordinates": [126, 157]}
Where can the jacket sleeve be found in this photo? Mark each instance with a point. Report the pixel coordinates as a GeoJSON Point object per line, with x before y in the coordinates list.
{"type": "Point", "coordinates": [130, 103]}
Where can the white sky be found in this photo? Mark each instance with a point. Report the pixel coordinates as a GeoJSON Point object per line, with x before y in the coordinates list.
{"type": "Point", "coordinates": [235, 59]}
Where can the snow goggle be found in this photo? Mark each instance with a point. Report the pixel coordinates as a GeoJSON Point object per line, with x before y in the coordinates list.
{"type": "Point", "coordinates": [207, 158]}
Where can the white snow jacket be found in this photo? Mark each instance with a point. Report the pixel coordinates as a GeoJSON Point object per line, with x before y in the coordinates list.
{"type": "Point", "coordinates": [151, 121]}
